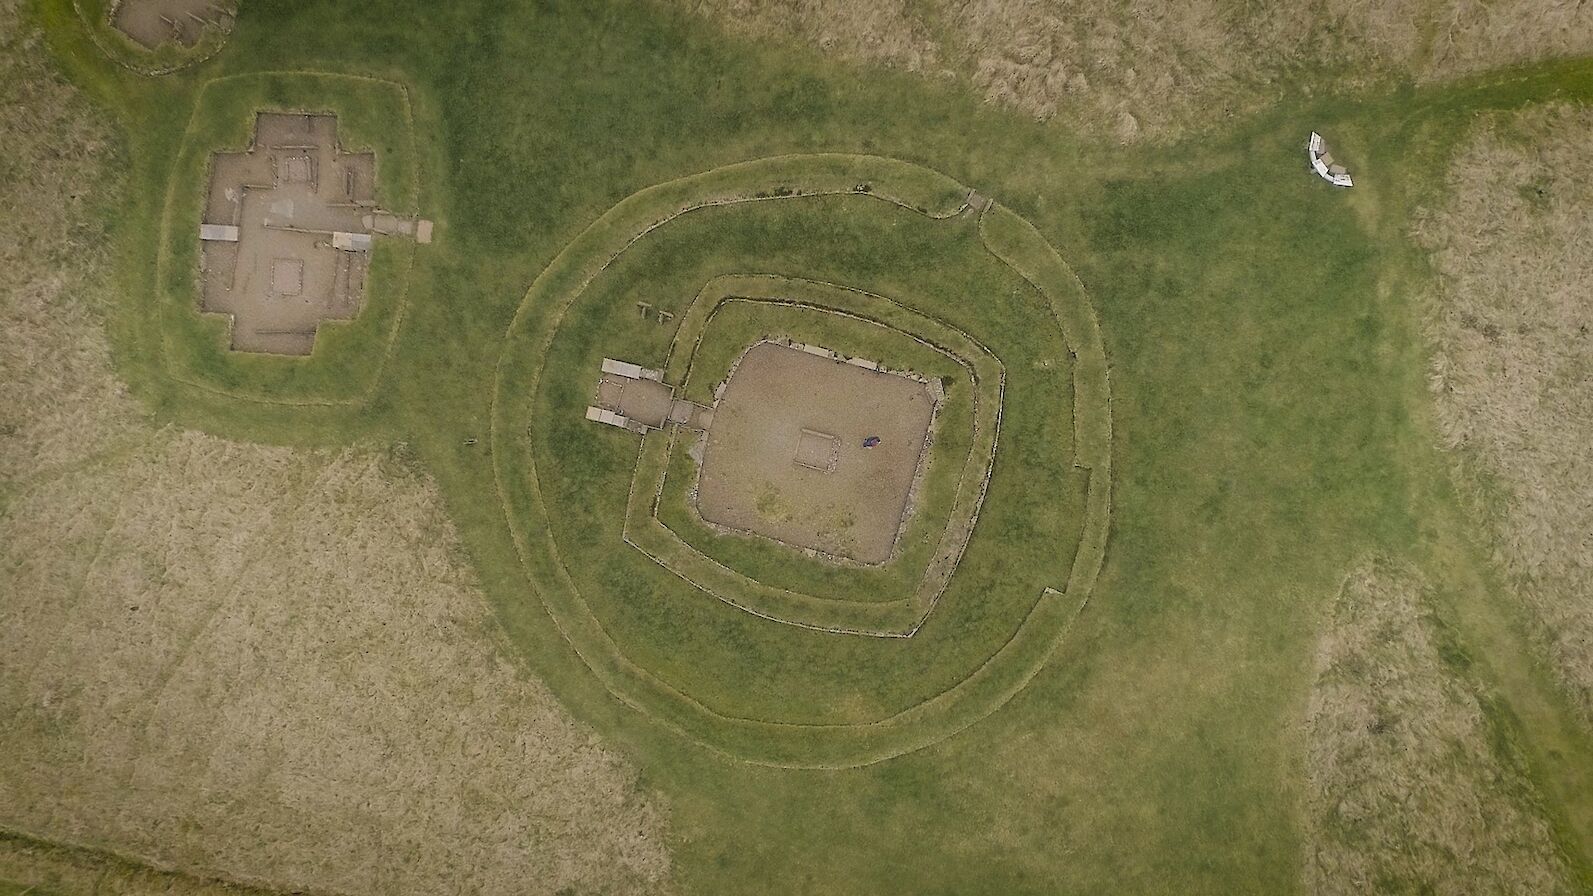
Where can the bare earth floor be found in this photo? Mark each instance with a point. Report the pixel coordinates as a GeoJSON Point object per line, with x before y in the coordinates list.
{"type": "Point", "coordinates": [785, 457]}
{"type": "Point", "coordinates": [297, 201]}
{"type": "Point", "coordinates": [644, 401]}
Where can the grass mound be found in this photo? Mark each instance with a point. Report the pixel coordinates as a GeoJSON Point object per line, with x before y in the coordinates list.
{"type": "Point", "coordinates": [735, 680]}
{"type": "Point", "coordinates": [349, 356]}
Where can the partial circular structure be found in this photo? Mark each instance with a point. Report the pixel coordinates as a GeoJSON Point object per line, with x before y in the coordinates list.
{"type": "Point", "coordinates": [525, 399]}
{"type": "Point", "coordinates": [158, 37]}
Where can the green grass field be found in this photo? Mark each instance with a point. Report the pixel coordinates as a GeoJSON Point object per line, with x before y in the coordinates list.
{"type": "Point", "coordinates": [1256, 331]}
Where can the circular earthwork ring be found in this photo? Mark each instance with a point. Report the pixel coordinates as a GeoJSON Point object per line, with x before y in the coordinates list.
{"type": "Point", "coordinates": [208, 24]}
{"type": "Point", "coordinates": [1011, 240]}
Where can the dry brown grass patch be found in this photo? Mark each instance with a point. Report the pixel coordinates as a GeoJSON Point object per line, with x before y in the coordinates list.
{"type": "Point", "coordinates": [1407, 791]}
{"type": "Point", "coordinates": [62, 870]}
{"type": "Point", "coordinates": [272, 666]}
{"type": "Point", "coordinates": [887, 31]}
{"type": "Point", "coordinates": [1138, 69]}
{"type": "Point", "coordinates": [59, 401]}
{"type": "Point", "coordinates": [1511, 323]}
{"type": "Point", "coordinates": [1475, 35]}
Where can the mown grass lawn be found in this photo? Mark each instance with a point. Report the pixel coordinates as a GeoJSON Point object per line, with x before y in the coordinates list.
{"type": "Point", "coordinates": [1268, 398]}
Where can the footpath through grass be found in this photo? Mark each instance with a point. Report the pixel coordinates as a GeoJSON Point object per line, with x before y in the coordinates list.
{"type": "Point", "coordinates": [1268, 423]}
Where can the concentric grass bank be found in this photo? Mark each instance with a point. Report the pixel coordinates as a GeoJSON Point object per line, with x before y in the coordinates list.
{"type": "Point", "coordinates": [763, 651]}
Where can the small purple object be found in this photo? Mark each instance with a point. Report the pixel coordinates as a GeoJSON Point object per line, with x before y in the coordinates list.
{"type": "Point", "coordinates": [871, 441]}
